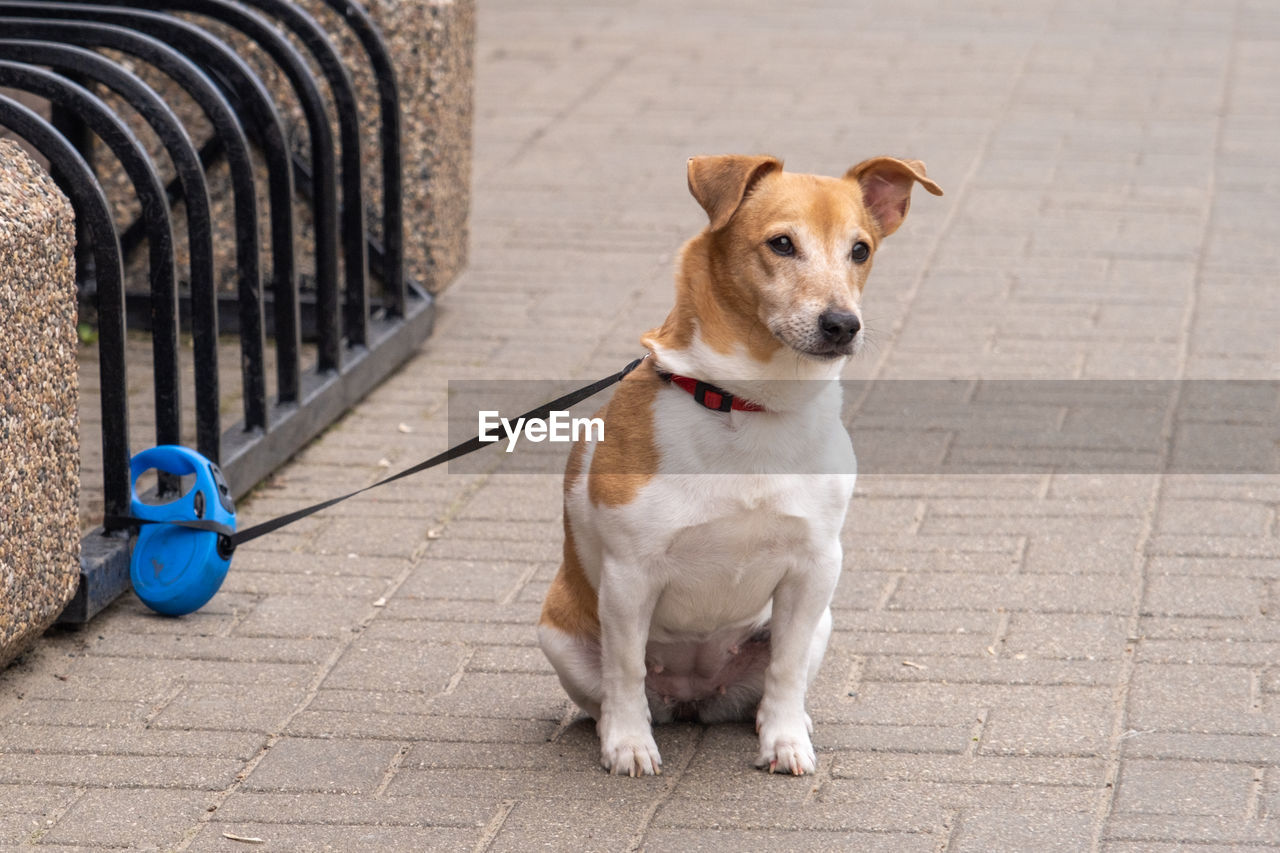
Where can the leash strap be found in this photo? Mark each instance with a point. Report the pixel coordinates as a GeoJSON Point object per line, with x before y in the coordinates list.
{"type": "Point", "coordinates": [471, 445]}
{"type": "Point", "coordinates": [120, 522]}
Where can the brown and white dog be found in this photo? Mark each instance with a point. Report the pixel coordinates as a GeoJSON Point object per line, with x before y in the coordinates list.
{"type": "Point", "coordinates": [702, 535]}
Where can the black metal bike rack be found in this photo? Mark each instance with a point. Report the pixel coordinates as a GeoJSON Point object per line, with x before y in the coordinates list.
{"type": "Point", "coordinates": [49, 49]}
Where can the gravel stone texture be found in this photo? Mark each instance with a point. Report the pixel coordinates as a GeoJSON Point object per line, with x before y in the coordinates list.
{"type": "Point", "coordinates": [39, 440]}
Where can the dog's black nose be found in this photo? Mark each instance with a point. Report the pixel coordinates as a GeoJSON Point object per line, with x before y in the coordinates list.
{"type": "Point", "coordinates": [839, 327]}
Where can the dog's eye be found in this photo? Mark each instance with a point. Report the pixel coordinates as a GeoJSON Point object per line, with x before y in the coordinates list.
{"type": "Point", "coordinates": [782, 245]}
{"type": "Point", "coordinates": [861, 251]}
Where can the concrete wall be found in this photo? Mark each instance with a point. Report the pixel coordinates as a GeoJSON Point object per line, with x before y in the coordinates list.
{"type": "Point", "coordinates": [39, 447]}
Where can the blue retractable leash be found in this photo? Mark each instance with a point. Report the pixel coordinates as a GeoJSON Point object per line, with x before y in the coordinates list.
{"type": "Point", "coordinates": [184, 547]}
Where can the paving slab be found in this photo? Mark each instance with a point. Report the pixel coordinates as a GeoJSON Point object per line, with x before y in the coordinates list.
{"type": "Point", "coordinates": [129, 818]}
{"type": "Point", "coordinates": [341, 766]}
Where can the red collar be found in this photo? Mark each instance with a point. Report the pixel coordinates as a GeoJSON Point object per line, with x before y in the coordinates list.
{"type": "Point", "coordinates": [714, 398]}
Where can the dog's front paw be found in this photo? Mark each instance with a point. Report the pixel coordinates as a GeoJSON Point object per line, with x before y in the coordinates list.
{"type": "Point", "coordinates": [631, 755]}
{"type": "Point", "coordinates": [785, 746]}
{"type": "Point", "coordinates": [787, 753]}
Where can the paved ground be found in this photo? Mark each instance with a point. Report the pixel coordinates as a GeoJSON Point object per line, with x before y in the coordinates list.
{"type": "Point", "coordinates": [1028, 661]}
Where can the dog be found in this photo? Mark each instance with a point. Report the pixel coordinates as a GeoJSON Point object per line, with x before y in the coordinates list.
{"type": "Point", "coordinates": [702, 535]}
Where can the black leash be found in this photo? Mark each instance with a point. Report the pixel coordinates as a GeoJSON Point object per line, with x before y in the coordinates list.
{"type": "Point", "coordinates": [229, 540]}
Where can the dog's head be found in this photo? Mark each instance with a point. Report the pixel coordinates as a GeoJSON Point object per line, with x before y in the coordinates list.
{"type": "Point", "coordinates": [796, 249]}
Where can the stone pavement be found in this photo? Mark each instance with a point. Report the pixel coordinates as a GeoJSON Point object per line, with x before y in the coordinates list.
{"type": "Point", "coordinates": [1030, 661]}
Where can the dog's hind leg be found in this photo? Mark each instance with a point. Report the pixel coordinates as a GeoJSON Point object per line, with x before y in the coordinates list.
{"type": "Point", "coordinates": [577, 661]}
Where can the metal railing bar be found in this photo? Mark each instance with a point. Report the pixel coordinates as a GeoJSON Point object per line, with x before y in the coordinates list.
{"type": "Point", "coordinates": [391, 249]}
{"type": "Point", "coordinates": [132, 236]}
{"type": "Point", "coordinates": [117, 136]}
{"type": "Point", "coordinates": [78, 182]}
{"type": "Point", "coordinates": [223, 118]}
{"type": "Point", "coordinates": [316, 41]}
{"type": "Point", "coordinates": [355, 17]}
{"type": "Point", "coordinates": [324, 184]}
{"type": "Point", "coordinates": [230, 71]}
{"type": "Point", "coordinates": [376, 251]}
{"type": "Point", "coordinates": [67, 58]}
{"type": "Point", "coordinates": [379, 260]}
{"type": "Point", "coordinates": [74, 131]}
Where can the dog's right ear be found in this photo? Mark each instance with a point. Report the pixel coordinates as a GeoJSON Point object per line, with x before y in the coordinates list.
{"type": "Point", "coordinates": [720, 183]}
{"type": "Point", "coordinates": [886, 188]}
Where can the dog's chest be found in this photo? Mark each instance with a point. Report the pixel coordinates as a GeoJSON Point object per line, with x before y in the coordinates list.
{"type": "Point", "coordinates": [738, 538]}
{"type": "Point", "coordinates": [741, 501]}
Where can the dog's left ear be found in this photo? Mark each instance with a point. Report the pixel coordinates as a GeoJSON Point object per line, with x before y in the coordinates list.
{"type": "Point", "coordinates": [721, 183]}
{"type": "Point", "coordinates": [886, 188]}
